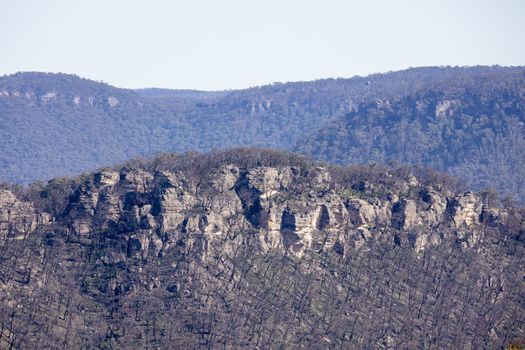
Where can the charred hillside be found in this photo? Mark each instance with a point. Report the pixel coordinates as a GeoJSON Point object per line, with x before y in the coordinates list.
{"type": "Point", "coordinates": [258, 249]}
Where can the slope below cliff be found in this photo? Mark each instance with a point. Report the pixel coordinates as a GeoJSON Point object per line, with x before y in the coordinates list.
{"type": "Point", "coordinates": [258, 249]}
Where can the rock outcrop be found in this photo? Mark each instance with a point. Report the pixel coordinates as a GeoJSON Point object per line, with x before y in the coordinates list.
{"type": "Point", "coordinates": [19, 218]}
{"type": "Point", "coordinates": [259, 256]}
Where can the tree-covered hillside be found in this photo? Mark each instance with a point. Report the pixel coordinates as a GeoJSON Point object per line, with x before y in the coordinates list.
{"type": "Point", "coordinates": [474, 129]}
{"type": "Point", "coordinates": [462, 120]}
{"type": "Point", "coordinates": [258, 249]}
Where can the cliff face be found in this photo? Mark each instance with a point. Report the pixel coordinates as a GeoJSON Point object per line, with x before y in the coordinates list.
{"type": "Point", "coordinates": [259, 257]}
{"type": "Point", "coordinates": [18, 218]}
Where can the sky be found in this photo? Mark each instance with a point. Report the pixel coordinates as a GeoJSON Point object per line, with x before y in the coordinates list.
{"type": "Point", "coordinates": [230, 44]}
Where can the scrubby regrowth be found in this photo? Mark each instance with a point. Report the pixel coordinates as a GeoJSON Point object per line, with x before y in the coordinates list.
{"type": "Point", "coordinates": [259, 249]}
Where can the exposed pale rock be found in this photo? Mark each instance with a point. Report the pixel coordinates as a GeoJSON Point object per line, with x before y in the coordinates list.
{"type": "Point", "coordinates": [48, 96]}
{"type": "Point", "coordinates": [136, 179]}
{"type": "Point", "coordinates": [174, 204]}
{"type": "Point", "coordinates": [84, 203]}
{"type": "Point", "coordinates": [412, 181]}
{"type": "Point", "coordinates": [410, 215]}
{"type": "Point", "coordinates": [108, 207]}
{"type": "Point", "coordinates": [433, 212]}
{"type": "Point", "coordinates": [264, 179]}
{"type": "Point", "coordinates": [107, 178]}
{"type": "Point", "coordinates": [421, 243]}
{"type": "Point", "coordinates": [466, 209]}
{"type": "Point", "coordinates": [405, 215]}
{"type": "Point", "coordinates": [18, 218]}
{"type": "Point", "coordinates": [224, 178]}
{"type": "Point", "coordinates": [271, 237]}
{"type": "Point", "coordinates": [445, 107]}
{"type": "Point", "coordinates": [112, 101]}
{"type": "Point", "coordinates": [81, 227]}
{"type": "Point", "coordinates": [259, 199]}
{"type": "Point", "coordinates": [363, 213]}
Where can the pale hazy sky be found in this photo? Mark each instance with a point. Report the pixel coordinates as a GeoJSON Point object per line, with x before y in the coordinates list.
{"type": "Point", "coordinates": [223, 44]}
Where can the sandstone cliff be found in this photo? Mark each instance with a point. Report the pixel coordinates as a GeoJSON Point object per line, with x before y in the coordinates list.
{"type": "Point", "coordinates": [253, 252]}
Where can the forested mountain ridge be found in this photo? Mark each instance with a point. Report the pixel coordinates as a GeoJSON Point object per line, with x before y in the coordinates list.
{"type": "Point", "coordinates": [474, 130]}
{"type": "Point", "coordinates": [57, 124]}
{"type": "Point", "coordinates": [259, 249]}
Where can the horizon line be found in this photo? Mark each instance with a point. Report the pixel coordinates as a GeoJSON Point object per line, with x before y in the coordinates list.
{"type": "Point", "coordinates": [356, 76]}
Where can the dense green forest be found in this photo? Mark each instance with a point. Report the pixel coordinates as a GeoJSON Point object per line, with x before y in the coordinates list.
{"type": "Point", "coordinates": [467, 121]}
{"type": "Point", "coordinates": [474, 130]}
